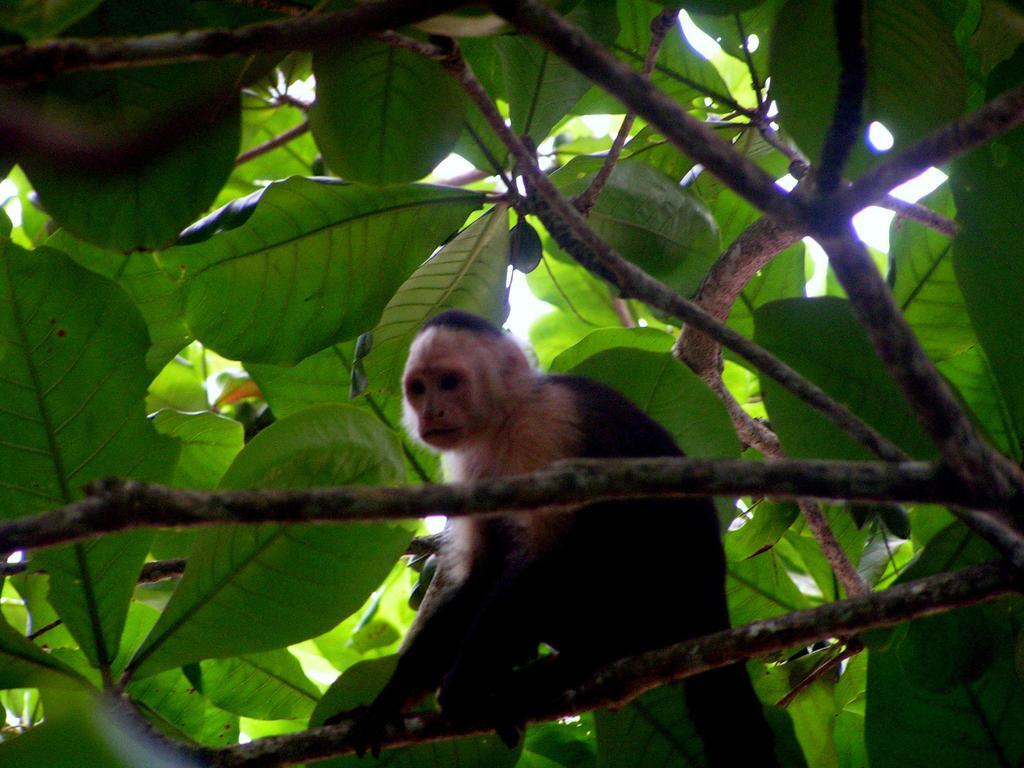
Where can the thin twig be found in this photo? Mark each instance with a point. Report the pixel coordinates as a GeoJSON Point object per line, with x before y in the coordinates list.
{"type": "Point", "coordinates": [920, 214]}
{"type": "Point", "coordinates": [272, 144]}
{"type": "Point", "coordinates": [853, 647]}
{"type": "Point", "coordinates": [755, 81]}
{"type": "Point", "coordinates": [117, 505]}
{"type": "Point", "coordinates": [843, 569]}
{"type": "Point", "coordinates": [660, 26]}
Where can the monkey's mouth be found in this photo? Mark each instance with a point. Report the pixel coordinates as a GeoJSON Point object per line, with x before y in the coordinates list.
{"type": "Point", "coordinates": [441, 436]}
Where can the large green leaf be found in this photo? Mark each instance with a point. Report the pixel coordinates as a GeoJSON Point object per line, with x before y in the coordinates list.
{"type": "Point", "coordinates": [265, 686]}
{"type": "Point", "coordinates": [37, 19]}
{"type": "Point", "coordinates": [916, 80]}
{"type": "Point", "coordinates": [972, 376]}
{"type": "Point", "coordinates": [917, 713]}
{"type": "Point", "coordinates": [154, 292]}
{"type": "Point", "coordinates": [924, 286]}
{"type": "Point", "coordinates": [541, 87]}
{"type": "Point", "coordinates": [988, 252]}
{"type": "Point", "coordinates": [757, 21]}
{"type": "Point", "coordinates": [209, 443]}
{"type": "Point", "coordinates": [148, 201]}
{"type": "Point", "coordinates": [383, 115]}
{"type": "Point", "coordinates": [256, 588]}
{"type": "Point", "coordinates": [822, 340]}
{"type": "Point", "coordinates": [649, 219]}
{"type": "Point", "coordinates": [24, 665]}
{"type": "Point", "coordinates": [759, 588]}
{"type": "Point", "coordinates": [671, 394]}
{"type": "Point", "coordinates": [682, 72]}
{"type": "Point", "coordinates": [468, 273]}
{"type": "Point", "coordinates": [327, 377]}
{"type": "Point", "coordinates": [74, 376]}
{"type": "Point", "coordinates": [82, 731]}
{"type": "Point", "coordinates": [313, 263]}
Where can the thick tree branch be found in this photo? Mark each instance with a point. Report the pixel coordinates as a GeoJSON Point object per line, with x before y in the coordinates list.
{"type": "Point", "coordinates": [997, 117]}
{"type": "Point", "coordinates": [623, 681]}
{"type": "Point", "coordinates": [748, 254]}
{"type": "Point", "coordinates": [690, 135]}
{"type": "Point", "coordinates": [34, 63]}
{"type": "Point", "coordinates": [848, 113]}
{"type": "Point", "coordinates": [117, 505]}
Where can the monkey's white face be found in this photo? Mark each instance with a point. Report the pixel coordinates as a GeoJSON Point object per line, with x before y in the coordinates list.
{"type": "Point", "coordinates": [440, 388]}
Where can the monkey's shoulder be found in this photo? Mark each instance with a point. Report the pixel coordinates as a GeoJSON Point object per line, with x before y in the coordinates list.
{"type": "Point", "coordinates": [609, 425]}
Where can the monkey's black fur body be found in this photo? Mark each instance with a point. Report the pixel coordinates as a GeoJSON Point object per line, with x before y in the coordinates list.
{"type": "Point", "coordinates": [612, 580]}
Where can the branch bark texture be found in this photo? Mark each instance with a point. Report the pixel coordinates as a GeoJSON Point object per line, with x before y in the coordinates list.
{"type": "Point", "coordinates": [118, 505]}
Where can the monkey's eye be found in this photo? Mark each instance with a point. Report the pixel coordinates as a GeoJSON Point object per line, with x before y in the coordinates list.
{"type": "Point", "coordinates": [449, 381]}
{"type": "Point", "coordinates": [417, 387]}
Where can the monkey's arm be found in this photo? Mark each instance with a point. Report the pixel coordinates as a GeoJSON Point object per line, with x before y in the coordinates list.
{"type": "Point", "coordinates": [427, 652]}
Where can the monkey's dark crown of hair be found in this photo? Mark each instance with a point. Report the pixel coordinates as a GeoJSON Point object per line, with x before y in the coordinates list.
{"type": "Point", "coordinates": [456, 318]}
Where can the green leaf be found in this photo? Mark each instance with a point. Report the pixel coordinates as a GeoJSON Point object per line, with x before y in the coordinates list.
{"type": "Point", "coordinates": [918, 713]}
{"type": "Point", "coordinates": [972, 377]}
{"type": "Point", "coordinates": [360, 683]}
{"type": "Point", "coordinates": [289, 281]}
{"type": "Point", "coordinates": [209, 443]}
{"type": "Point", "coordinates": [653, 730]}
{"type": "Point", "coordinates": [38, 19]}
{"type": "Point", "coordinates": [649, 219]}
{"type": "Point", "coordinates": [83, 731]}
{"type": "Point", "coordinates": [468, 273]}
{"type": "Point", "coordinates": [265, 686]}
{"type": "Point", "coordinates": [671, 394]}
{"type": "Point", "coordinates": [72, 386]}
{"type": "Point", "coordinates": [988, 249]}
{"type": "Point", "coordinates": [759, 588]}
{"type": "Point", "coordinates": [146, 202]}
{"type": "Point", "coordinates": [172, 700]}
{"type": "Point", "coordinates": [924, 286]}
{"type": "Point", "coordinates": [368, 119]}
{"type": "Point", "coordinates": [758, 20]}
{"type": "Point", "coordinates": [766, 525]}
{"type": "Point", "coordinates": [155, 294]}
{"type": "Point", "coordinates": [299, 580]}
{"type": "Point", "coordinates": [542, 88]}
{"type": "Point", "coordinates": [24, 665]}
{"type": "Point", "coordinates": [648, 339]}
{"type": "Point", "coordinates": [916, 79]}
{"type": "Point", "coordinates": [846, 367]}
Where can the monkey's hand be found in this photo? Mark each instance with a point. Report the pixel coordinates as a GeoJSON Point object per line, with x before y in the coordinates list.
{"type": "Point", "coordinates": [370, 727]}
{"type": "Point", "coordinates": [474, 705]}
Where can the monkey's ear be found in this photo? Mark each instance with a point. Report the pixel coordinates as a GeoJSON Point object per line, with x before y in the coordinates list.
{"type": "Point", "coordinates": [513, 359]}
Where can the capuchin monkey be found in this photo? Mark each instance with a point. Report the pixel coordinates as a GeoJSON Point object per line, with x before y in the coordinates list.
{"type": "Point", "coordinates": [596, 584]}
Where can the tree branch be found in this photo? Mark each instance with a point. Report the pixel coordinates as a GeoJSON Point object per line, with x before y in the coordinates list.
{"type": "Point", "coordinates": [848, 113]}
{"type": "Point", "coordinates": [690, 135]}
{"type": "Point", "coordinates": [117, 505]}
{"type": "Point", "coordinates": [660, 26]}
{"type": "Point", "coordinates": [627, 679]}
{"type": "Point", "coordinates": [997, 117]}
{"type": "Point", "coordinates": [35, 63]}
{"type": "Point", "coordinates": [271, 144]}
